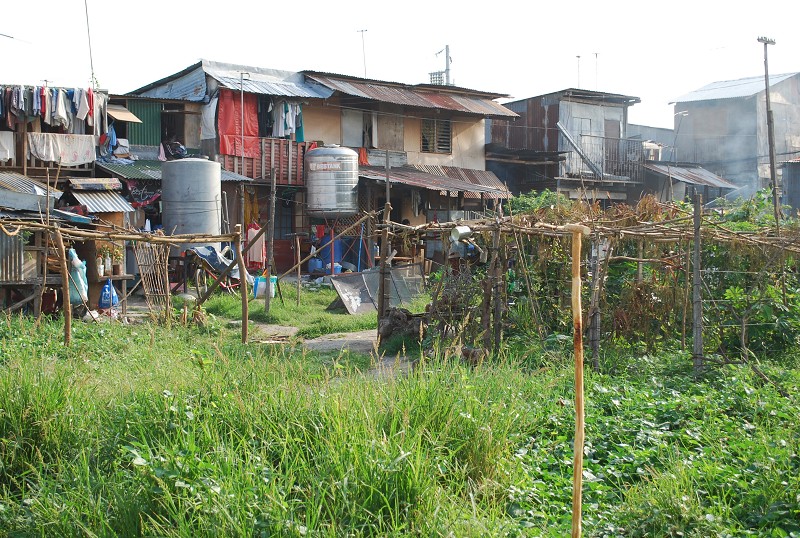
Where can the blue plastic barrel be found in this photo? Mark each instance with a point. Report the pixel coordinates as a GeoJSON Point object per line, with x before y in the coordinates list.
{"type": "Point", "coordinates": [324, 251]}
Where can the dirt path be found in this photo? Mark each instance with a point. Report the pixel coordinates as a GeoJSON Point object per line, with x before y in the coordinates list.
{"type": "Point", "coordinates": [362, 342]}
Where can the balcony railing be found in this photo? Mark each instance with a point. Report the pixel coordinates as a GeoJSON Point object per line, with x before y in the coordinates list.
{"type": "Point", "coordinates": [284, 155]}
{"type": "Point", "coordinates": [622, 158]}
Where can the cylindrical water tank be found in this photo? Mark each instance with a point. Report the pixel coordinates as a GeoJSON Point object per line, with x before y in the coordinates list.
{"type": "Point", "coordinates": [331, 182]}
{"type": "Point", "coordinates": [191, 197]}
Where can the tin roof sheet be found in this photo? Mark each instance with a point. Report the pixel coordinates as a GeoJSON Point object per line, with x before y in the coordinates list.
{"type": "Point", "coordinates": [412, 176]}
{"type": "Point", "coordinates": [730, 89]}
{"type": "Point", "coordinates": [17, 182]}
{"type": "Point", "coordinates": [103, 201]}
{"type": "Point", "coordinates": [694, 175]}
{"type": "Point", "coordinates": [190, 84]}
{"type": "Point", "coordinates": [95, 184]}
{"type": "Point", "coordinates": [481, 178]}
{"type": "Point", "coordinates": [145, 169]}
{"type": "Point", "coordinates": [422, 96]}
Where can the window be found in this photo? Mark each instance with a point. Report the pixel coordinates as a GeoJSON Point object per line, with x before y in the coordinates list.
{"type": "Point", "coordinates": [436, 136]}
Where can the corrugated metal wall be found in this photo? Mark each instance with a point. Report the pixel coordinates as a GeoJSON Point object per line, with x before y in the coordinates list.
{"type": "Point", "coordinates": [11, 258]}
{"type": "Point", "coordinates": [147, 133]}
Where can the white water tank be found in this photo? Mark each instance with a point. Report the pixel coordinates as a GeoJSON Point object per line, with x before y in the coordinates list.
{"type": "Point", "coordinates": [331, 182]}
{"type": "Point", "coordinates": [191, 194]}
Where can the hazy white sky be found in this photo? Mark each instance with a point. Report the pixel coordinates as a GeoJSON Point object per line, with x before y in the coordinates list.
{"type": "Point", "coordinates": [653, 50]}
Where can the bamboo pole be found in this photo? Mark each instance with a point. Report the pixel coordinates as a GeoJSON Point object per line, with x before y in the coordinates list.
{"type": "Point", "coordinates": [65, 286]}
{"type": "Point", "coordinates": [297, 250]}
{"type": "Point", "coordinates": [237, 243]}
{"type": "Point", "coordinates": [578, 231]}
{"type": "Point", "coordinates": [697, 300]}
{"type": "Point", "coordinates": [270, 239]}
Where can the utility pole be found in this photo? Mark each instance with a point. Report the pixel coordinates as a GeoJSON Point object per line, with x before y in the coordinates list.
{"type": "Point", "coordinates": [579, 70]}
{"type": "Point", "coordinates": [773, 176]}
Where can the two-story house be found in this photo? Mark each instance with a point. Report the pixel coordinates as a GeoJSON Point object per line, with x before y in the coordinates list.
{"type": "Point", "coordinates": [723, 126]}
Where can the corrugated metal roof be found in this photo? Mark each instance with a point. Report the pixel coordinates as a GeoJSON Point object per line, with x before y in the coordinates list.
{"type": "Point", "coordinates": [730, 89]}
{"type": "Point", "coordinates": [482, 178]}
{"type": "Point", "coordinates": [186, 85]}
{"type": "Point", "coordinates": [16, 182]}
{"type": "Point", "coordinates": [465, 101]}
{"type": "Point", "coordinates": [103, 202]}
{"type": "Point", "coordinates": [190, 84]}
{"type": "Point", "coordinates": [143, 169]}
{"type": "Point", "coordinates": [408, 175]}
{"type": "Point", "coordinates": [95, 184]}
{"type": "Point", "coordinates": [694, 175]}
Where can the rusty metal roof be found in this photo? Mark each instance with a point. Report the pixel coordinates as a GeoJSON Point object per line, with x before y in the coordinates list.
{"type": "Point", "coordinates": [471, 182]}
{"type": "Point", "coordinates": [481, 178]}
{"type": "Point", "coordinates": [16, 182]}
{"type": "Point", "coordinates": [422, 96]}
{"type": "Point", "coordinates": [692, 174]}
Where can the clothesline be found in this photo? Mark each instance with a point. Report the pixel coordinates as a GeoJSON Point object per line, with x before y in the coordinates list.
{"type": "Point", "coordinates": [71, 110]}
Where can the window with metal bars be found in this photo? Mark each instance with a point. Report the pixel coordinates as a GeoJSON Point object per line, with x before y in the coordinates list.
{"type": "Point", "coordinates": [436, 136]}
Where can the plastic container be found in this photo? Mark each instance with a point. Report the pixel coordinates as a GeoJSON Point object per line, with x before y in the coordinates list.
{"type": "Point", "coordinates": [260, 285]}
{"type": "Point", "coordinates": [324, 251]}
{"type": "Point", "coordinates": [315, 265]}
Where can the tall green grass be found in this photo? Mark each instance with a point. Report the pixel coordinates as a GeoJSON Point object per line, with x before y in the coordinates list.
{"type": "Point", "coordinates": [147, 431]}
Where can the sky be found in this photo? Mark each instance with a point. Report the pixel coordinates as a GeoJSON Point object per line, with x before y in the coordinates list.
{"type": "Point", "coordinates": [652, 50]}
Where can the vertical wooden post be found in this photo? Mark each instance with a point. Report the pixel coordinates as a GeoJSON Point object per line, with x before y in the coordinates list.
{"type": "Point", "coordinates": [297, 250]}
{"type": "Point", "coordinates": [25, 149]}
{"type": "Point", "coordinates": [237, 242]}
{"type": "Point", "coordinates": [594, 306]}
{"type": "Point", "coordinates": [640, 254]}
{"type": "Point", "coordinates": [65, 288]}
{"type": "Point", "coordinates": [578, 231]}
{"type": "Point", "coordinates": [383, 288]}
{"type": "Point", "coordinates": [697, 302]}
{"type": "Point", "coordinates": [270, 238]}
{"type": "Point", "coordinates": [497, 289]}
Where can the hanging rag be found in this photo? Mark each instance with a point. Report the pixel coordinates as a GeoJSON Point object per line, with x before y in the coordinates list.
{"type": "Point", "coordinates": [363, 159]}
{"type": "Point", "coordinates": [7, 145]}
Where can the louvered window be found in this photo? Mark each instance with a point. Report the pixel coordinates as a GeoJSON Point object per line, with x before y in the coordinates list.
{"type": "Point", "coordinates": [436, 136]}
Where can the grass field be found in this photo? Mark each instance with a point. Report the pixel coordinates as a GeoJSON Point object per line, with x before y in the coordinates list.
{"type": "Point", "coordinates": [150, 431]}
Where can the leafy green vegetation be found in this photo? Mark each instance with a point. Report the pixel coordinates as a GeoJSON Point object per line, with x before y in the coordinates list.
{"type": "Point", "coordinates": [142, 430]}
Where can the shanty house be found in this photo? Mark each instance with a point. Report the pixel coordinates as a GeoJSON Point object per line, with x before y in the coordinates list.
{"type": "Point", "coordinates": [573, 141]}
{"type": "Point", "coordinates": [253, 120]}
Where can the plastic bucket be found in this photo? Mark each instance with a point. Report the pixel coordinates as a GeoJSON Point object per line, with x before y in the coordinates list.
{"type": "Point", "coordinates": [260, 286]}
{"type": "Point", "coordinates": [460, 232]}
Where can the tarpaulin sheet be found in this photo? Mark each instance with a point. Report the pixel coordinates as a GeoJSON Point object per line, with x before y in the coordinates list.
{"type": "Point", "coordinates": [359, 291]}
{"type": "Point", "coordinates": [229, 119]}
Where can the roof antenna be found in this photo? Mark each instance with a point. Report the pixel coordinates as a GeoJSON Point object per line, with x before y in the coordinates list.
{"type": "Point", "coordinates": [579, 70]}
{"type": "Point", "coordinates": [363, 51]}
{"type": "Point", "coordinates": [595, 71]}
{"type": "Point", "coordinates": [89, 34]}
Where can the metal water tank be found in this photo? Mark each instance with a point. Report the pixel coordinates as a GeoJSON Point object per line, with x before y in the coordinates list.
{"type": "Point", "coordinates": [191, 197]}
{"type": "Point", "coordinates": [331, 182]}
